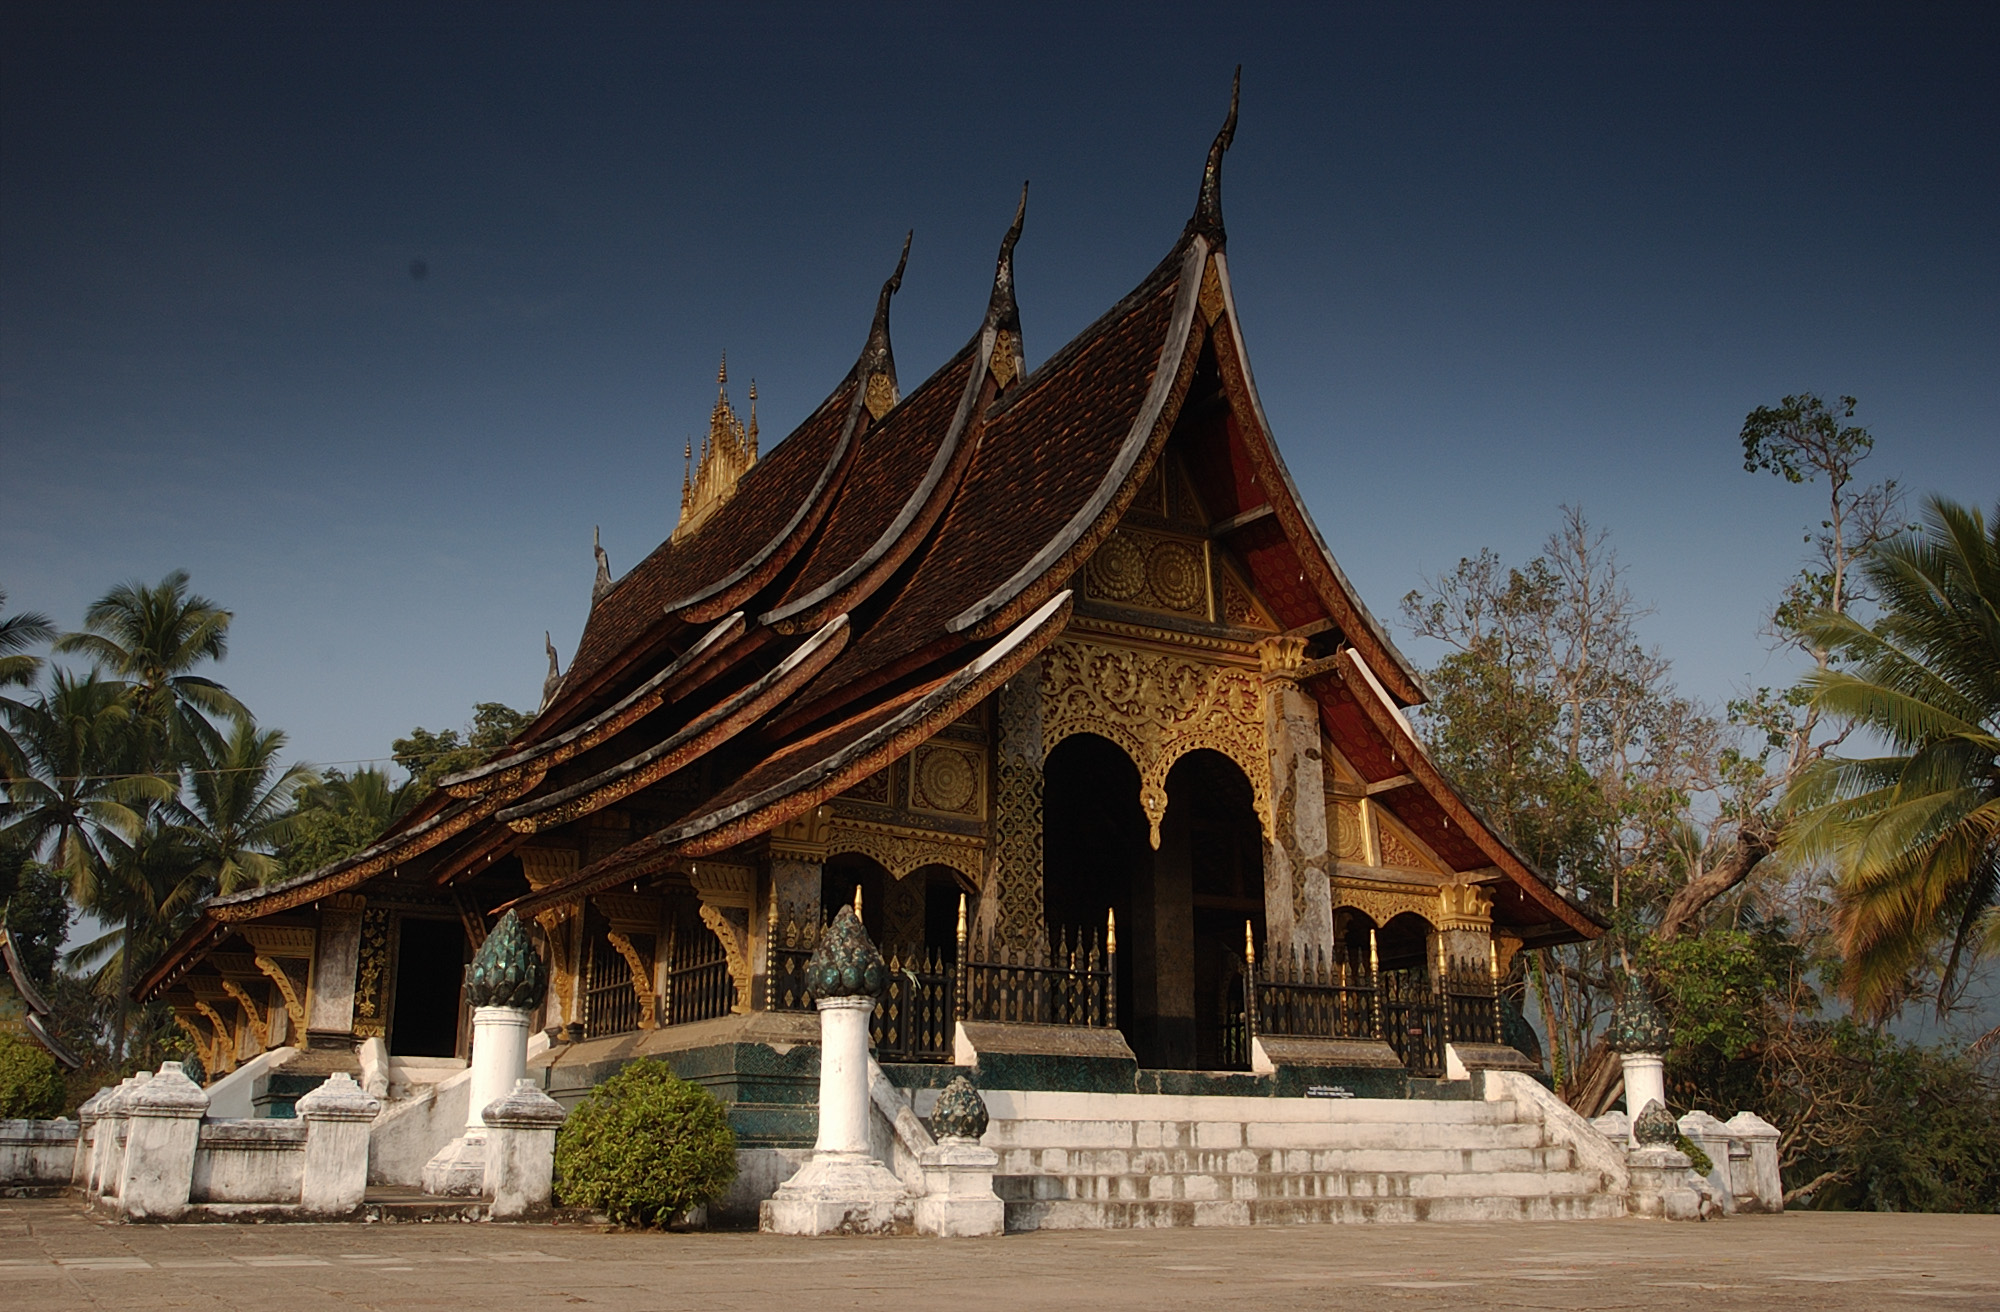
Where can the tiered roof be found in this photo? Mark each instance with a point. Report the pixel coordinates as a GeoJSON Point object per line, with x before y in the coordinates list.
{"type": "Point", "coordinates": [893, 561]}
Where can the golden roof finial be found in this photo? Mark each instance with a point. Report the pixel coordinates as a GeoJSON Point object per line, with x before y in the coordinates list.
{"type": "Point", "coordinates": [726, 455]}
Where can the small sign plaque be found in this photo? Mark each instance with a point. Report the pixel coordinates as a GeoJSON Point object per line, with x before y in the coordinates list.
{"type": "Point", "coordinates": [1328, 1091]}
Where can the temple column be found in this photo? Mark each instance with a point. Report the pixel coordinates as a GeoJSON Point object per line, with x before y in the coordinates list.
{"type": "Point", "coordinates": [1465, 928]}
{"type": "Point", "coordinates": [507, 982]}
{"type": "Point", "coordinates": [1010, 908]}
{"type": "Point", "coordinates": [1298, 911]}
{"type": "Point", "coordinates": [336, 960]}
{"type": "Point", "coordinates": [798, 851]}
{"type": "Point", "coordinates": [563, 927]}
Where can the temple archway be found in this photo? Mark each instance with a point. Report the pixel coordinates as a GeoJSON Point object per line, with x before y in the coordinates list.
{"type": "Point", "coordinates": [1095, 850]}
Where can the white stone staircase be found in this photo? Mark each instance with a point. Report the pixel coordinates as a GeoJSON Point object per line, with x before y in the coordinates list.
{"type": "Point", "coordinates": [1114, 1161]}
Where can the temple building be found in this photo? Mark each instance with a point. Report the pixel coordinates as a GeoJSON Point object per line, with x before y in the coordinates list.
{"type": "Point", "coordinates": [1049, 672]}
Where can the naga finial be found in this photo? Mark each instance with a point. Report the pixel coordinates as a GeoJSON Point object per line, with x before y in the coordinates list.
{"type": "Point", "coordinates": [1207, 218]}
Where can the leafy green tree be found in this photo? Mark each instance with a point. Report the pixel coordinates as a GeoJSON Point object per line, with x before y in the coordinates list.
{"type": "Point", "coordinates": [235, 814]}
{"type": "Point", "coordinates": [430, 756]}
{"type": "Point", "coordinates": [31, 1086]}
{"type": "Point", "coordinates": [1914, 833]}
{"type": "Point", "coordinates": [38, 916]}
{"type": "Point", "coordinates": [340, 815]}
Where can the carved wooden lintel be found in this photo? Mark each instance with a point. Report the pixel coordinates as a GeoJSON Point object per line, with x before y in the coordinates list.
{"type": "Point", "coordinates": [642, 977]}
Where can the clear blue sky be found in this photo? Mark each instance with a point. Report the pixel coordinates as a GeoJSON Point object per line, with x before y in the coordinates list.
{"type": "Point", "coordinates": [1490, 258]}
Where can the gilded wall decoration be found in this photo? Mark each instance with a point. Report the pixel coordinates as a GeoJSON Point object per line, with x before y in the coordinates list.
{"type": "Point", "coordinates": [1211, 299]}
{"type": "Point", "coordinates": [903, 917]}
{"type": "Point", "coordinates": [900, 850]}
{"type": "Point", "coordinates": [1158, 707]}
{"type": "Point", "coordinates": [371, 974]}
{"type": "Point", "coordinates": [1240, 608]}
{"type": "Point", "coordinates": [1153, 570]}
{"type": "Point", "coordinates": [1010, 913]}
{"type": "Point", "coordinates": [1397, 851]}
{"type": "Point", "coordinates": [1350, 834]}
{"type": "Point", "coordinates": [945, 779]}
{"type": "Point", "coordinates": [252, 1013]}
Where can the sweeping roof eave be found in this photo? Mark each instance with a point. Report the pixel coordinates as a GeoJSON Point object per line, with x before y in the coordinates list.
{"type": "Point", "coordinates": [796, 777]}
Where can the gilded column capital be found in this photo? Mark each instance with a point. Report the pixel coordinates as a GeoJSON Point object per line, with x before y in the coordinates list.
{"type": "Point", "coordinates": [1281, 658]}
{"type": "Point", "coordinates": [1465, 906]}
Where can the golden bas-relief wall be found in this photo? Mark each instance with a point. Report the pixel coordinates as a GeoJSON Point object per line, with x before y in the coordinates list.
{"type": "Point", "coordinates": [1157, 706]}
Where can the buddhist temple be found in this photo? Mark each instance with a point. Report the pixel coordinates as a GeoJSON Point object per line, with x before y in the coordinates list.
{"type": "Point", "coordinates": [1047, 671]}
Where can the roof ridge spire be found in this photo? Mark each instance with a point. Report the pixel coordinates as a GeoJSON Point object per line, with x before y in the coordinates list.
{"type": "Point", "coordinates": [1207, 218]}
{"type": "Point", "coordinates": [1003, 312]}
{"type": "Point", "coordinates": [880, 391]}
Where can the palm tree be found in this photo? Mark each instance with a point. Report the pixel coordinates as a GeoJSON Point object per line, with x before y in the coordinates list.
{"type": "Point", "coordinates": [79, 780]}
{"type": "Point", "coordinates": [1914, 834]}
{"type": "Point", "coordinates": [18, 669]}
{"type": "Point", "coordinates": [152, 637]}
{"type": "Point", "coordinates": [235, 814]}
{"type": "Point", "coordinates": [148, 890]}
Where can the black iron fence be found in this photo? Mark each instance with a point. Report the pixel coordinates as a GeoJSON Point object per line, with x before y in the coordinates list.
{"type": "Point", "coordinates": [1072, 981]}
{"type": "Point", "coordinates": [698, 983]}
{"type": "Point", "coordinates": [1310, 995]}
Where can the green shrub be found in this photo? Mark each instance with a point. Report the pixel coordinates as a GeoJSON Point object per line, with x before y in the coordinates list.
{"type": "Point", "coordinates": [1699, 1160]}
{"type": "Point", "coordinates": [31, 1086]}
{"type": "Point", "coordinates": [644, 1147]}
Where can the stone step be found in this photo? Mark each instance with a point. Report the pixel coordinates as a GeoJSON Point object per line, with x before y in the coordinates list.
{"type": "Point", "coordinates": [1046, 1107]}
{"type": "Point", "coordinates": [1162, 1161]}
{"type": "Point", "coordinates": [1123, 1214]}
{"type": "Point", "coordinates": [1247, 1186]}
{"type": "Point", "coordinates": [1002, 1134]}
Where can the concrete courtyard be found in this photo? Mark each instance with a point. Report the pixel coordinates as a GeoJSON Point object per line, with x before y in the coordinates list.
{"type": "Point", "coordinates": [53, 1255]}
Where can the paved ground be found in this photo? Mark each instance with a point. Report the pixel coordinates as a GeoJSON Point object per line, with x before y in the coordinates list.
{"type": "Point", "coordinates": [54, 1256]}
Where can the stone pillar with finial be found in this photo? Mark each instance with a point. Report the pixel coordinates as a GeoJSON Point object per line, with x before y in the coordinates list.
{"type": "Point", "coordinates": [508, 980]}
{"type": "Point", "coordinates": [958, 1200]}
{"type": "Point", "coordinates": [844, 1189]}
{"type": "Point", "coordinates": [1639, 1037]}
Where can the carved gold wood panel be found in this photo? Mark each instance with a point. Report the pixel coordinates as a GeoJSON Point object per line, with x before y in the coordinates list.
{"type": "Point", "coordinates": [901, 851]}
{"type": "Point", "coordinates": [1382, 905]}
{"type": "Point", "coordinates": [1157, 571]}
{"type": "Point", "coordinates": [947, 779]}
{"type": "Point", "coordinates": [1158, 707]}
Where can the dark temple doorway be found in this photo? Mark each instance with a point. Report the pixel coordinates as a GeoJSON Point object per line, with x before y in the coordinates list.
{"type": "Point", "coordinates": [1182, 910]}
{"type": "Point", "coordinates": [430, 972]}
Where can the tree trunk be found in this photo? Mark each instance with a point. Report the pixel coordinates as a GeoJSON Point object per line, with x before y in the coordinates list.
{"type": "Point", "coordinates": [1753, 844]}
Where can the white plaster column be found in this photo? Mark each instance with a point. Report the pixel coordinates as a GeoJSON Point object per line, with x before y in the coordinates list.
{"type": "Point", "coordinates": [157, 1171]}
{"type": "Point", "coordinates": [337, 1116]}
{"type": "Point", "coordinates": [507, 982]}
{"type": "Point", "coordinates": [843, 1074]}
{"type": "Point", "coordinates": [844, 1189]}
{"type": "Point", "coordinates": [521, 1151]}
{"type": "Point", "coordinates": [1645, 1082]}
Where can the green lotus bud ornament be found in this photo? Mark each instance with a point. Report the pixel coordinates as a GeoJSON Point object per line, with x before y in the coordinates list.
{"type": "Point", "coordinates": [846, 964]}
{"type": "Point", "coordinates": [960, 1112]}
{"type": "Point", "coordinates": [508, 972]}
{"type": "Point", "coordinates": [1636, 1024]}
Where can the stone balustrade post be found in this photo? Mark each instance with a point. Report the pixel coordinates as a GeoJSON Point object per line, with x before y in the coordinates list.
{"type": "Point", "coordinates": [109, 1151]}
{"type": "Point", "coordinates": [521, 1151]}
{"type": "Point", "coordinates": [958, 1199]}
{"type": "Point", "coordinates": [1639, 1036]}
{"type": "Point", "coordinates": [1712, 1137]}
{"type": "Point", "coordinates": [86, 1138]}
{"type": "Point", "coordinates": [1758, 1185]}
{"type": "Point", "coordinates": [163, 1130]}
{"type": "Point", "coordinates": [337, 1115]}
{"type": "Point", "coordinates": [508, 980]}
{"type": "Point", "coordinates": [843, 1189]}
